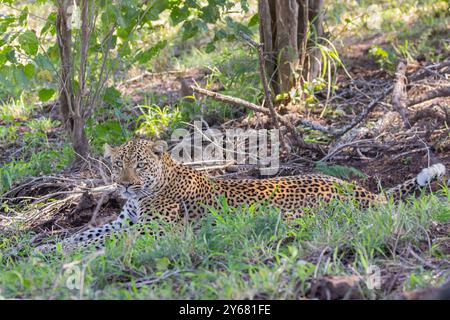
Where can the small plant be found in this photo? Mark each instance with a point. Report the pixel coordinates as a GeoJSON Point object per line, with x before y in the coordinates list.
{"type": "Point", "coordinates": [111, 132]}
{"type": "Point", "coordinates": [385, 59]}
{"type": "Point", "coordinates": [8, 134]}
{"type": "Point", "coordinates": [15, 110]}
{"type": "Point", "coordinates": [45, 161]}
{"type": "Point", "coordinates": [405, 50]}
{"type": "Point", "coordinates": [42, 124]}
{"type": "Point", "coordinates": [155, 121]}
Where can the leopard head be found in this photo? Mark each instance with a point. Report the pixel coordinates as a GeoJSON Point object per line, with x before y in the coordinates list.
{"type": "Point", "coordinates": [137, 166]}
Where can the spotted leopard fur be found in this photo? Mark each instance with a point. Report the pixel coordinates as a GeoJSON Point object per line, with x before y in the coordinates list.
{"type": "Point", "coordinates": [159, 189]}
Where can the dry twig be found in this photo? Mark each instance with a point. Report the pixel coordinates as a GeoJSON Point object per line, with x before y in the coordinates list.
{"type": "Point", "coordinates": [243, 103]}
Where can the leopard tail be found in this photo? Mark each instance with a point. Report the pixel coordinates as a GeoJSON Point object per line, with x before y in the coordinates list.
{"type": "Point", "coordinates": [425, 177]}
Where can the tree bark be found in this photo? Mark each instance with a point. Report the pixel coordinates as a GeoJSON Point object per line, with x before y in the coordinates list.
{"type": "Point", "coordinates": [70, 105]}
{"type": "Point", "coordinates": [288, 30]}
{"type": "Point", "coordinates": [315, 17]}
{"type": "Point", "coordinates": [286, 16]}
{"type": "Point", "coordinates": [266, 30]}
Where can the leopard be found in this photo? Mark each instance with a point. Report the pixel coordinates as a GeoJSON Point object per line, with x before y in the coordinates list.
{"type": "Point", "coordinates": [159, 189]}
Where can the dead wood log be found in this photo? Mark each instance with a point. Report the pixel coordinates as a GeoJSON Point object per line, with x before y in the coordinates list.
{"type": "Point", "coordinates": [399, 93]}
{"type": "Point", "coordinates": [429, 95]}
{"type": "Point", "coordinates": [428, 70]}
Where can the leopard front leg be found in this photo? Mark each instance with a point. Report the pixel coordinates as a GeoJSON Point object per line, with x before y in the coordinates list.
{"type": "Point", "coordinates": [128, 216]}
{"type": "Point", "coordinates": [151, 210]}
{"type": "Point", "coordinates": [133, 214]}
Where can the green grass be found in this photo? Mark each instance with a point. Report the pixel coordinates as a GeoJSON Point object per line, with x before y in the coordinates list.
{"type": "Point", "coordinates": [43, 162]}
{"type": "Point", "coordinates": [411, 28]}
{"type": "Point", "coordinates": [15, 110]}
{"type": "Point", "coordinates": [31, 153]}
{"type": "Point", "coordinates": [243, 253]}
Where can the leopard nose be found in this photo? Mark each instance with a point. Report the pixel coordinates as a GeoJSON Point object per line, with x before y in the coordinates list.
{"type": "Point", "coordinates": [126, 185]}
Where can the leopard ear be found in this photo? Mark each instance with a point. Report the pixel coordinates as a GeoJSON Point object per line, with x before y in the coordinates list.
{"type": "Point", "coordinates": [159, 147]}
{"type": "Point", "coordinates": [109, 151]}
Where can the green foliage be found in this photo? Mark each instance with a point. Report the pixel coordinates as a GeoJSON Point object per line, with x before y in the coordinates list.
{"type": "Point", "coordinates": [146, 55]}
{"type": "Point", "coordinates": [42, 162]}
{"type": "Point", "coordinates": [154, 120]}
{"type": "Point", "coordinates": [15, 110]}
{"type": "Point", "coordinates": [8, 133]}
{"type": "Point", "coordinates": [109, 131]}
{"type": "Point", "coordinates": [385, 59]}
{"type": "Point", "coordinates": [29, 56]}
{"type": "Point", "coordinates": [422, 23]}
{"type": "Point", "coordinates": [29, 43]}
{"type": "Point", "coordinates": [237, 253]}
{"type": "Point", "coordinates": [342, 172]}
{"type": "Point", "coordinates": [42, 125]}
{"type": "Point", "coordinates": [46, 94]}
{"type": "Point", "coordinates": [20, 60]}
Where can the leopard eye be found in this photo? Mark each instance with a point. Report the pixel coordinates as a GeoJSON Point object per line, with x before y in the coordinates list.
{"type": "Point", "coordinates": [119, 164]}
{"type": "Point", "coordinates": [140, 165]}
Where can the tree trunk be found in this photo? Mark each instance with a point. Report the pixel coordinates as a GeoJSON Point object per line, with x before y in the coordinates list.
{"type": "Point", "coordinates": [288, 28]}
{"type": "Point", "coordinates": [70, 105]}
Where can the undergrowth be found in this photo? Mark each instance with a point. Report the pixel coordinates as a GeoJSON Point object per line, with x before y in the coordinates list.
{"type": "Point", "coordinates": [245, 253]}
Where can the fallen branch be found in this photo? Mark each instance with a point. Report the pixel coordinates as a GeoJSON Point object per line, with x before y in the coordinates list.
{"type": "Point", "coordinates": [438, 93]}
{"type": "Point", "coordinates": [399, 93]}
{"type": "Point", "coordinates": [357, 143]}
{"type": "Point", "coordinates": [238, 102]}
{"type": "Point", "coordinates": [357, 120]}
{"type": "Point", "coordinates": [429, 70]}
{"type": "Point", "coordinates": [243, 103]}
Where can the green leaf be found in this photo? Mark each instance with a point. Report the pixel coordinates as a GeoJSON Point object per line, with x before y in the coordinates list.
{"type": "Point", "coordinates": [254, 20]}
{"type": "Point", "coordinates": [158, 6]}
{"type": "Point", "coordinates": [23, 16]}
{"type": "Point", "coordinates": [29, 70]}
{"type": "Point", "coordinates": [210, 47]}
{"type": "Point", "coordinates": [29, 42]}
{"type": "Point", "coordinates": [20, 78]}
{"type": "Point", "coordinates": [178, 14]}
{"type": "Point", "coordinates": [190, 29]}
{"type": "Point", "coordinates": [220, 34]}
{"type": "Point", "coordinates": [148, 54]}
{"type": "Point", "coordinates": [4, 55]}
{"type": "Point", "coordinates": [49, 24]}
{"type": "Point", "coordinates": [46, 94]}
{"type": "Point", "coordinates": [43, 62]}
{"type": "Point", "coordinates": [210, 13]}
{"type": "Point", "coordinates": [11, 56]}
{"type": "Point", "coordinates": [112, 96]}
{"type": "Point", "coordinates": [244, 5]}
{"type": "Point", "coordinates": [5, 22]}
{"type": "Point", "coordinates": [2, 59]}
